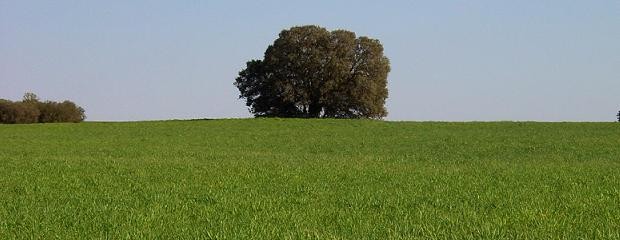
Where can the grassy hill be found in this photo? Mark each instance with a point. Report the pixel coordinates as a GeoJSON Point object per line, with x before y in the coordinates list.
{"type": "Point", "coordinates": [290, 178]}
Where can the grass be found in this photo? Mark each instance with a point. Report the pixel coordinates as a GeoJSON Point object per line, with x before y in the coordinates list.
{"type": "Point", "coordinates": [323, 179]}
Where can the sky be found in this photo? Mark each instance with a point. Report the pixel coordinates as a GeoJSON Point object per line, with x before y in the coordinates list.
{"type": "Point", "coordinates": [461, 60]}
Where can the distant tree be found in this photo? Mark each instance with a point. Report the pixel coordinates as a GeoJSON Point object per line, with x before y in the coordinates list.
{"type": "Point", "coordinates": [26, 112]}
{"type": "Point", "coordinates": [311, 72]}
{"type": "Point", "coordinates": [618, 116]}
{"type": "Point", "coordinates": [30, 98]}
{"type": "Point", "coordinates": [18, 112]}
{"type": "Point", "coordinates": [49, 112]}
{"type": "Point", "coordinates": [66, 111]}
{"type": "Point", "coordinates": [31, 110]}
{"type": "Point", "coordinates": [6, 111]}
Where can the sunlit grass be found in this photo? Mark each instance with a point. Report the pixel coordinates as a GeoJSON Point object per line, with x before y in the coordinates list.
{"type": "Point", "coordinates": [276, 178]}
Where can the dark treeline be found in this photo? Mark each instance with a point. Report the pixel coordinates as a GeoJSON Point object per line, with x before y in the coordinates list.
{"type": "Point", "coordinates": [31, 110]}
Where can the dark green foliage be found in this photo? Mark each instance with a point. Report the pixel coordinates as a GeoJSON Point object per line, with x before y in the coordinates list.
{"type": "Point", "coordinates": [311, 72]}
{"type": "Point", "coordinates": [618, 116]}
{"type": "Point", "coordinates": [31, 110]}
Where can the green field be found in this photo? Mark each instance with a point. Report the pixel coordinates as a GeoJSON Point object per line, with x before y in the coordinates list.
{"type": "Point", "coordinates": [323, 179]}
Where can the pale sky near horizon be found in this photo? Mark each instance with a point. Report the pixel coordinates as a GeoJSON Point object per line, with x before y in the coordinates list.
{"type": "Point", "coordinates": [461, 60]}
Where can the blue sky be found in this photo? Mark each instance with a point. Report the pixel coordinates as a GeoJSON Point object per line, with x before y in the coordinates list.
{"type": "Point", "coordinates": [451, 60]}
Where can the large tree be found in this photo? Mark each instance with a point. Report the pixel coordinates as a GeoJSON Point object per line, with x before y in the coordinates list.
{"type": "Point", "coordinates": [311, 72]}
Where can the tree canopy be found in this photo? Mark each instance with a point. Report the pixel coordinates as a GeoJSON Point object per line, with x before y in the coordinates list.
{"type": "Point", "coordinates": [311, 72]}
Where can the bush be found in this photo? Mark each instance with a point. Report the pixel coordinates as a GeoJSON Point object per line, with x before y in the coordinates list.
{"type": "Point", "coordinates": [31, 110]}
